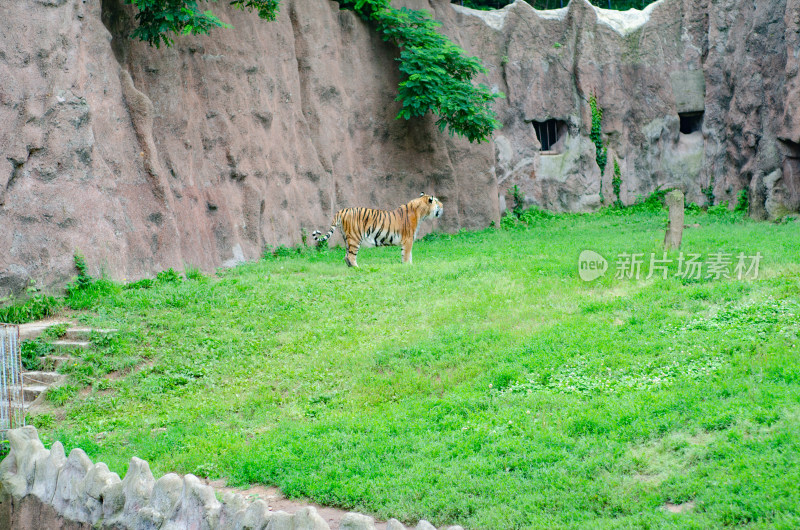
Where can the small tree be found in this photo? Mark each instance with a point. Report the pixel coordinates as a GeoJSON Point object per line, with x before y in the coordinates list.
{"type": "Point", "coordinates": [158, 20]}
{"type": "Point", "coordinates": [438, 74]}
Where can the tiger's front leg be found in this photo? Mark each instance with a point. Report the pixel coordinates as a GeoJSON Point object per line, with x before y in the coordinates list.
{"type": "Point", "coordinates": [407, 251]}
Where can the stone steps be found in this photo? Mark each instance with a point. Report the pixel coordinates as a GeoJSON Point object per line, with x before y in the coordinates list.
{"type": "Point", "coordinates": [30, 392]}
{"type": "Point", "coordinates": [32, 330]}
{"type": "Point", "coordinates": [85, 334]}
{"type": "Point", "coordinates": [35, 383]}
{"type": "Point", "coordinates": [54, 362]}
{"type": "Point", "coordinates": [41, 378]}
{"type": "Point", "coordinates": [66, 345]}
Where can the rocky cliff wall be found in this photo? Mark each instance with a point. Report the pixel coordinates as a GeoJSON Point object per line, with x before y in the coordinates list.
{"type": "Point", "coordinates": [206, 152]}
{"type": "Point", "coordinates": [727, 67]}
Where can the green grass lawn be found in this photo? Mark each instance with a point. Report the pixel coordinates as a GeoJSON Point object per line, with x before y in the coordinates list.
{"type": "Point", "coordinates": [487, 385]}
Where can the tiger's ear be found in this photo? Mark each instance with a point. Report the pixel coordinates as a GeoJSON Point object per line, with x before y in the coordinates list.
{"type": "Point", "coordinates": [421, 194]}
{"type": "Point", "coordinates": [430, 199]}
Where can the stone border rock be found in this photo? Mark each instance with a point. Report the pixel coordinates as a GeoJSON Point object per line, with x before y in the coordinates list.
{"type": "Point", "coordinates": [40, 487]}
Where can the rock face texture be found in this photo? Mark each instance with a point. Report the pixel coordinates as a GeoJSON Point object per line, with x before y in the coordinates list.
{"type": "Point", "coordinates": [696, 95]}
{"type": "Point", "coordinates": [205, 153]}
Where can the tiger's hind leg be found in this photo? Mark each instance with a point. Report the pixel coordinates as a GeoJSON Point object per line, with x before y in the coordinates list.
{"type": "Point", "coordinates": [352, 253]}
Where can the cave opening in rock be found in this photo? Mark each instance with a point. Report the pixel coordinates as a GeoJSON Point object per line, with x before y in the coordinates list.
{"type": "Point", "coordinates": [550, 134]}
{"type": "Point", "coordinates": [691, 122]}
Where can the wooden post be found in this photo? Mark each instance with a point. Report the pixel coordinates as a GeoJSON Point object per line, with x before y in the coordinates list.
{"type": "Point", "coordinates": [672, 240]}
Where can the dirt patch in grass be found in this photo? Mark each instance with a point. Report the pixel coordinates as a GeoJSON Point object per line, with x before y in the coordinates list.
{"type": "Point", "coordinates": [278, 502]}
{"type": "Point", "coordinates": [683, 507]}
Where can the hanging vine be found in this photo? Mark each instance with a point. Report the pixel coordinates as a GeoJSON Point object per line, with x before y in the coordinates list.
{"type": "Point", "coordinates": [616, 183]}
{"type": "Point", "coordinates": [596, 134]}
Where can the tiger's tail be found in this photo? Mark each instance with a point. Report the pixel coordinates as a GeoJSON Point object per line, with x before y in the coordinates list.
{"type": "Point", "coordinates": [337, 220]}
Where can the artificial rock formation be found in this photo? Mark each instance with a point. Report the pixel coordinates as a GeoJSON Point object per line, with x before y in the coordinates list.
{"type": "Point", "coordinates": [697, 95]}
{"type": "Point", "coordinates": [204, 153]}
{"type": "Point", "coordinates": [207, 152]}
{"type": "Point", "coordinates": [40, 488]}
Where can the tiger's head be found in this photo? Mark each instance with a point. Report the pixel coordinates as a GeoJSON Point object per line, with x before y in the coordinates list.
{"type": "Point", "coordinates": [428, 206]}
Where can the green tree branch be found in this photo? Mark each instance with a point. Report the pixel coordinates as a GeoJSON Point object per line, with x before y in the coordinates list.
{"type": "Point", "coordinates": [158, 20]}
{"type": "Point", "coordinates": [438, 74]}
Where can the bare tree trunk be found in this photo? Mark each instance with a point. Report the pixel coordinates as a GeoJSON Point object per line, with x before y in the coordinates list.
{"type": "Point", "coordinates": [672, 240]}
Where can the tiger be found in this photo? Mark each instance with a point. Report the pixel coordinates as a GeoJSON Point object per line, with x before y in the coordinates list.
{"type": "Point", "coordinates": [374, 228]}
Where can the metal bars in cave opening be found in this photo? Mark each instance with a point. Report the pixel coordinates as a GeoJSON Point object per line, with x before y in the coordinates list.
{"type": "Point", "coordinates": [12, 406]}
{"type": "Point", "coordinates": [547, 132]}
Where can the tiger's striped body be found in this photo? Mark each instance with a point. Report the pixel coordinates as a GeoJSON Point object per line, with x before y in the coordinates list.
{"type": "Point", "coordinates": [374, 228]}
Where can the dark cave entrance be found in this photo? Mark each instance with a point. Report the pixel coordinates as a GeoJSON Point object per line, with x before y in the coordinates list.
{"type": "Point", "coordinates": [550, 134]}
{"type": "Point", "coordinates": [691, 122]}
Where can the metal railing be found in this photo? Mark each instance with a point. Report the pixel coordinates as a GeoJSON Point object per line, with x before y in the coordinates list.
{"type": "Point", "coordinates": [12, 402]}
{"type": "Point", "coordinates": [548, 133]}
